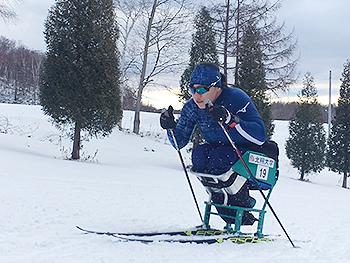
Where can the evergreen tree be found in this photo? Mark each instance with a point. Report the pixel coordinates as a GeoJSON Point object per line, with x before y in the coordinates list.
{"type": "Point", "coordinates": [80, 80]}
{"type": "Point", "coordinates": [203, 49]}
{"type": "Point", "coordinates": [306, 144]}
{"type": "Point", "coordinates": [251, 75]}
{"type": "Point", "coordinates": [338, 152]}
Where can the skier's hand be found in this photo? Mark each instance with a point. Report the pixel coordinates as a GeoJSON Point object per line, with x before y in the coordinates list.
{"type": "Point", "coordinates": [167, 120]}
{"type": "Point", "coordinates": [220, 114]}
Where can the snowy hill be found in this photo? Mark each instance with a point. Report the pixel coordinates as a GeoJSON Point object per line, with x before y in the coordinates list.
{"type": "Point", "coordinates": [137, 183]}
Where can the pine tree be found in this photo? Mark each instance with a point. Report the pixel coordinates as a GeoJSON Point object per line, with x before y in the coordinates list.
{"type": "Point", "coordinates": [251, 75]}
{"type": "Point", "coordinates": [203, 49]}
{"type": "Point", "coordinates": [306, 144]}
{"type": "Point", "coordinates": [338, 152]}
{"type": "Point", "coordinates": [80, 80]}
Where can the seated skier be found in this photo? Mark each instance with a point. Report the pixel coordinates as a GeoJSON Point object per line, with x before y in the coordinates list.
{"type": "Point", "coordinates": [235, 110]}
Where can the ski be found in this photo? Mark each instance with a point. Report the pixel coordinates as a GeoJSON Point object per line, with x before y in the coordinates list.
{"type": "Point", "coordinates": [194, 232]}
{"type": "Point", "coordinates": [192, 236]}
{"type": "Point", "coordinates": [200, 240]}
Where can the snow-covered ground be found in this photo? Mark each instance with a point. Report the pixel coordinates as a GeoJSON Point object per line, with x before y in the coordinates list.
{"type": "Point", "coordinates": [137, 183]}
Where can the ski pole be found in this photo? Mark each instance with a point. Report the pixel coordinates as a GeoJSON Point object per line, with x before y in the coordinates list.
{"type": "Point", "coordinates": [257, 184]}
{"type": "Point", "coordinates": [187, 177]}
{"type": "Point", "coordinates": [210, 104]}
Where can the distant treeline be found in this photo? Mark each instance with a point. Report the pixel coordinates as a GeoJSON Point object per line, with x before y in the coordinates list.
{"type": "Point", "coordinates": [19, 73]}
{"type": "Point", "coordinates": [280, 110]}
{"type": "Point", "coordinates": [285, 111]}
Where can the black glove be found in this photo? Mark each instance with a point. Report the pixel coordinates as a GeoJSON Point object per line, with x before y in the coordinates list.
{"type": "Point", "coordinates": [220, 114]}
{"type": "Point", "coordinates": [167, 120]}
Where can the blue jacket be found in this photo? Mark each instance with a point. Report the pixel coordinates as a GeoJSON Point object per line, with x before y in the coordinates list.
{"type": "Point", "coordinates": [251, 128]}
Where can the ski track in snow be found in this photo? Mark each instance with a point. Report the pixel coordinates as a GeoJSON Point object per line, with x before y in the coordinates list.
{"type": "Point", "coordinates": [137, 184]}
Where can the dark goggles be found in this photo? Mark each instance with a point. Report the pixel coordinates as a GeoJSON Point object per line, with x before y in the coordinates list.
{"type": "Point", "coordinates": [203, 89]}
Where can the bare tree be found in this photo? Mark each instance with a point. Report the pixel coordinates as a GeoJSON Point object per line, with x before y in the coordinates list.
{"type": "Point", "coordinates": [142, 83]}
{"type": "Point", "coordinates": [164, 44]}
{"type": "Point", "coordinates": [278, 48]}
{"type": "Point", "coordinates": [280, 59]}
{"type": "Point", "coordinates": [128, 13]}
{"type": "Point", "coordinates": [6, 10]}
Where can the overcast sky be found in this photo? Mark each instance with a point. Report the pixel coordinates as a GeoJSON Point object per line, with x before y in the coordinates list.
{"type": "Point", "coordinates": [322, 28]}
{"type": "Point", "coordinates": [323, 33]}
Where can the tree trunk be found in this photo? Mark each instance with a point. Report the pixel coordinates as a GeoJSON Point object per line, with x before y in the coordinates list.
{"type": "Point", "coordinates": [345, 178]}
{"type": "Point", "coordinates": [302, 173]}
{"type": "Point", "coordinates": [143, 72]}
{"type": "Point", "coordinates": [76, 143]}
{"type": "Point", "coordinates": [237, 43]}
{"type": "Point", "coordinates": [226, 36]}
{"type": "Point", "coordinates": [137, 111]}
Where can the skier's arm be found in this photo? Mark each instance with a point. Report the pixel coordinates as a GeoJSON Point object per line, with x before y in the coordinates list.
{"type": "Point", "coordinates": [245, 125]}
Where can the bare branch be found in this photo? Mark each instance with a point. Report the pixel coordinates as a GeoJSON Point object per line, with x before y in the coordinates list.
{"type": "Point", "coordinates": [7, 14]}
